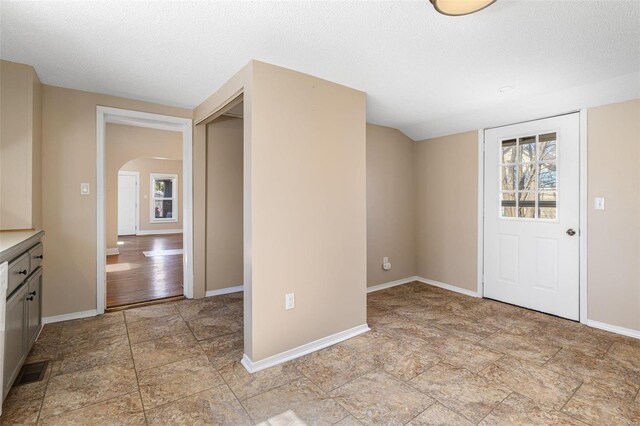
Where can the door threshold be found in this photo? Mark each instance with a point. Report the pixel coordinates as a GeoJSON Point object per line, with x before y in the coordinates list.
{"type": "Point", "coordinates": [142, 304]}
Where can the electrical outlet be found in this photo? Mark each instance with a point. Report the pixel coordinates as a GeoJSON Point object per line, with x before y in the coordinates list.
{"type": "Point", "coordinates": [289, 301]}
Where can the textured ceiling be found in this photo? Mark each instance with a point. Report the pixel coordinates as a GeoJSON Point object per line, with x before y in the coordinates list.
{"type": "Point", "coordinates": [424, 73]}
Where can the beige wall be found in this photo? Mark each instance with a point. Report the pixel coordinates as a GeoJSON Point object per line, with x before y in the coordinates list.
{"type": "Point", "coordinates": [69, 158]}
{"type": "Point", "coordinates": [308, 190]}
{"type": "Point", "coordinates": [447, 209]}
{"type": "Point", "coordinates": [614, 233]}
{"type": "Point", "coordinates": [21, 147]}
{"type": "Point", "coordinates": [391, 207]}
{"type": "Point", "coordinates": [124, 143]}
{"type": "Point", "coordinates": [146, 166]}
{"type": "Point", "coordinates": [224, 266]}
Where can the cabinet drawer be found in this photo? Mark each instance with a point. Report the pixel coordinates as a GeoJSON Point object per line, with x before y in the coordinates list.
{"type": "Point", "coordinates": [18, 271]}
{"type": "Point", "coordinates": [36, 256]}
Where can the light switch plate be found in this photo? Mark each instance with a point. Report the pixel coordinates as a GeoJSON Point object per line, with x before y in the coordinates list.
{"type": "Point", "coordinates": [599, 203]}
{"type": "Point", "coordinates": [84, 189]}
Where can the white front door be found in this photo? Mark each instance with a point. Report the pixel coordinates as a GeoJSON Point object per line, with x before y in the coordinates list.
{"type": "Point", "coordinates": [127, 203]}
{"type": "Point", "coordinates": [532, 213]}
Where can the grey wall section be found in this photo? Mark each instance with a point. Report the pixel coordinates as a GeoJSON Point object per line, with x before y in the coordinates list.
{"type": "Point", "coordinates": [224, 243]}
{"type": "Point", "coordinates": [391, 207]}
{"type": "Point", "coordinates": [447, 209]}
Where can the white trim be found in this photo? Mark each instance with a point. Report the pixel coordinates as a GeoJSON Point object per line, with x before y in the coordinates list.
{"type": "Point", "coordinates": [614, 329]}
{"type": "Point", "coordinates": [159, 231]}
{"type": "Point", "coordinates": [174, 198]}
{"type": "Point", "coordinates": [137, 176]}
{"type": "Point", "coordinates": [391, 284]}
{"type": "Point", "coordinates": [112, 251]}
{"type": "Point", "coordinates": [449, 287]}
{"type": "Point", "coordinates": [584, 203]}
{"type": "Point", "coordinates": [302, 350]}
{"type": "Point", "coordinates": [71, 316]}
{"type": "Point", "coordinates": [226, 290]}
{"type": "Point", "coordinates": [480, 242]}
{"type": "Point", "coordinates": [106, 115]}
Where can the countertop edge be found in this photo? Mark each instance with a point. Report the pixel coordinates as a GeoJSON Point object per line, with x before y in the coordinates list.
{"type": "Point", "coordinates": [20, 247]}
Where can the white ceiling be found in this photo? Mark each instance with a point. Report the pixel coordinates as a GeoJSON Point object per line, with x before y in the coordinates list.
{"type": "Point", "coordinates": [424, 73]}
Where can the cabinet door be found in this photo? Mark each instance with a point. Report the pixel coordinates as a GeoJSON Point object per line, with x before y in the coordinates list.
{"type": "Point", "coordinates": [34, 307]}
{"type": "Point", "coordinates": [15, 337]}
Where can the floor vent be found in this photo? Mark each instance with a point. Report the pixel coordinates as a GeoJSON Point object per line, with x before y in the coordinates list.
{"type": "Point", "coordinates": [31, 373]}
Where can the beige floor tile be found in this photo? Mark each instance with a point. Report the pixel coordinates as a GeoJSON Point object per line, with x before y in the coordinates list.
{"type": "Point", "coordinates": [626, 354]}
{"type": "Point", "coordinates": [216, 406]}
{"type": "Point", "coordinates": [422, 313]}
{"type": "Point", "coordinates": [176, 380]}
{"type": "Point", "coordinates": [529, 348]}
{"type": "Point", "coordinates": [459, 389]}
{"type": "Point", "coordinates": [519, 410]}
{"type": "Point", "coordinates": [148, 312]}
{"type": "Point", "coordinates": [545, 387]}
{"type": "Point", "coordinates": [155, 328]}
{"type": "Point", "coordinates": [224, 350]}
{"type": "Point", "coordinates": [302, 398]}
{"type": "Point", "coordinates": [333, 367]}
{"type": "Point", "coordinates": [473, 357]}
{"type": "Point", "coordinates": [122, 411]}
{"type": "Point", "coordinates": [349, 421]}
{"type": "Point", "coordinates": [377, 316]}
{"type": "Point", "coordinates": [378, 398]}
{"type": "Point", "coordinates": [439, 415]}
{"type": "Point", "coordinates": [71, 391]}
{"type": "Point", "coordinates": [20, 411]}
{"type": "Point", "coordinates": [414, 333]}
{"type": "Point", "coordinates": [399, 359]}
{"type": "Point", "coordinates": [625, 383]}
{"type": "Point", "coordinates": [245, 385]}
{"type": "Point", "coordinates": [92, 329]}
{"type": "Point", "coordinates": [108, 350]}
{"type": "Point", "coordinates": [192, 309]}
{"type": "Point", "coordinates": [214, 325]}
{"type": "Point", "coordinates": [43, 351]}
{"type": "Point", "coordinates": [466, 329]}
{"type": "Point", "coordinates": [154, 353]}
{"type": "Point", "coordinates": [596, 404]}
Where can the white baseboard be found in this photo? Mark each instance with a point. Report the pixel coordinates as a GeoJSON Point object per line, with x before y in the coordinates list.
{"type": "Point", "coordinates": [285, 356]}
{"type": "Point", "coordinates": [112, 251]}
{"type": "Point", "coordinates": [449, 287]}
{"type": "Point", "coordinates": [391, 284]}
{"type": "Point", "coordinates": [71, 316]}
{"type": "Point", "coordinates": [226, 290]}
{"type": "Point", "coordinates": [629, 332]}
{"type": "Point", "coordinates": [159, 232]}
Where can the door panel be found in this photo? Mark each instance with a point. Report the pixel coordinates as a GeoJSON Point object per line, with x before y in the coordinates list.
{"type": "Point", "coordinates": [127, 203]}
{"type": "Point", "coordinates": [532, 190]}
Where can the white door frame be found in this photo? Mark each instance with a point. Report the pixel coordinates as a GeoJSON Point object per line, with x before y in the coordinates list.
{"type": "Point", "coordinates": [137, 176]}
{"type": "Point", "coordinates": [583, 211]}
{"type": "Point", "coordinates": [106, 115]}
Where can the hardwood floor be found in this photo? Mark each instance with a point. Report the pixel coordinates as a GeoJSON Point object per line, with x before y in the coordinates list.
{"type": "Point", "coordinates": [133, 278]}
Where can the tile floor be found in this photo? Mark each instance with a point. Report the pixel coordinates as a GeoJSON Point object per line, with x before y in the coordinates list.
{"type": "Point", "coordinates": [432, 357]}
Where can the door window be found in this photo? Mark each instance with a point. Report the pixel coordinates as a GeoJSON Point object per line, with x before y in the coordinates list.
{"type": "Point", "coordinates": [528, 177]}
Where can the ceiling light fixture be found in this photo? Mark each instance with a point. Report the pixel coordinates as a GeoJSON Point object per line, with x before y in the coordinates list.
{"type": "Point", "coordinates": [460, 7]}
{"type": "Point", "coordinates": [505, 89]}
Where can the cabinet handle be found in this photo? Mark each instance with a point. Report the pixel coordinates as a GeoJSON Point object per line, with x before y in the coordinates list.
{"type": "Point", "coordinates": [33, 293]}
{"type": "Point", "coordinates": [30, 298]}
{"type": "Point", "coordinates": [39, 257]}
{"type": "Point", "coordinates": [23, 272]}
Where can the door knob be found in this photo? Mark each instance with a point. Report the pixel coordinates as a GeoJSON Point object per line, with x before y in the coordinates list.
{"type": "Point", "coordinates": [571, 232]}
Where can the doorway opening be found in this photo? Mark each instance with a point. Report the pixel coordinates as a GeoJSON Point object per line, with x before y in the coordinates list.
{"type": "Point", "coordinates": [144, 203]}
{"type": "Point", "coordinates": [146, 264]}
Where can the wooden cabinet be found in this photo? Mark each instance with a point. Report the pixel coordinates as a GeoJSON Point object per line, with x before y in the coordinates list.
{"type": "Point", "coordinates": [23, 310]}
